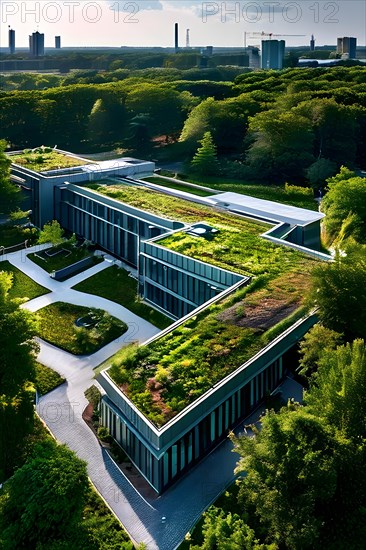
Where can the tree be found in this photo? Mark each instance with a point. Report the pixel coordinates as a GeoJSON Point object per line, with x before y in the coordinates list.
{"type": "Point", "coordinates": [345, 207]}
{"type": "Point", "coordinates": [205, 159]}
{"type": "Point", "coordinates": [282, 147]}
{"type": "Point", "coordinates": [291, 475]}
{"type": "Point", "coordinates": [51, 233]}
{"type": "Point", "coordinates": [315, 345]}
{"type": "Point", "coordinates": [227, 532]}
{"type": "Point", "coordinates": [44, 499]}
{"type": "Point", "coordinates": [17, 353]}
{"type": "Point", "coordinates": [338, 391]}
{"type": "Point", "coordinates": [9, 193]}
{"type": "Point", "coordinates": [334, 125]}
{"type": "Point", "coordinates": [338, 289]}
{"type": "Point", "coordinates": [320, 171]}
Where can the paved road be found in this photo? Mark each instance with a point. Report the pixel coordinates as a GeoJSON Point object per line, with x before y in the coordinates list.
{"type": "Point", "coordinates": [62, 410]}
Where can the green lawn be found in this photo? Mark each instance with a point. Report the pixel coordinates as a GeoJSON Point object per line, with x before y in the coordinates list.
{"type": "Point", "coordinates": [47, 379]}
{"type": "Point", "coordinates": [178, 186]}
{"type": "Point", "coordinates": [77, 340]}
{"type": "Point", "coordinates": [115, 284]}
{"type": "Point", "coordinates": [41, 161]}
{"type": "Point", "coordinates": [268, 192]}
{"type": "Point", "coordinates": [23, 286]}
{"type": "Point", "coordinates": [64, 259]}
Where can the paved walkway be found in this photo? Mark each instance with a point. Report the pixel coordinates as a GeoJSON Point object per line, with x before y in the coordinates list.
{"type": "Point", "coordinates": [62, 410]}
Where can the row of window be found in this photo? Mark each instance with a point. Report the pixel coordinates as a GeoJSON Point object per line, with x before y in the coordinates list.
{"type": "Point", "coordinates": [112, 216]}
{"type": "Point", "coordinates": [188, 286]}
{"type": "Point", "coordinates": [224, 278]}
{"type": "Point", "coordinates": [174, 305]}
{"type": "Point", "coordinates": [195, 444]}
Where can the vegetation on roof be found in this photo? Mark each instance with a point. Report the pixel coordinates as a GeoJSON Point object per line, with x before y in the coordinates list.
{"type": "Point", "coordinates": [164, 377]}
{"type": "Point", "coordinates": [43, 159]}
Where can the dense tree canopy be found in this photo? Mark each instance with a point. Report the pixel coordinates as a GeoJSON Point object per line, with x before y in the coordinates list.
{"type": "Point", "coordinates": [44, 499]}
{"type": "Point", "coordinates": [345, 208]}
{"type": "Point", "coordinates": [339, 291]}
{"type": "Point", "coordinates": [300, 119]}
{"type": "Point", "coordinates": [9, 194]}
{"type": "Point", "coordinates": [17, 352]}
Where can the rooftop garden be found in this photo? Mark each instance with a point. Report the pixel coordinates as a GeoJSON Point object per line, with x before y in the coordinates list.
{"type": "Point", "coordinates": [165, 376]}
{"type": "Point", "coordinates": [43, 159]}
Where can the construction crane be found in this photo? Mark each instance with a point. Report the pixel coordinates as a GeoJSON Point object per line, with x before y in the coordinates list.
{"type": "Point", "coordinates": [187, 39]}
{"type": "Point", "coordinates": [263, 34]}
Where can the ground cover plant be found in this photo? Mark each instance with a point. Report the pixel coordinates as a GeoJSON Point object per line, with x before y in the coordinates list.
{"type": "Point", "coordinates": [173, 371]}
{"type": "Point", "coordinates": [46, 379]}
{"type": "Point", "coordinates": [61, 256]}
{"type": "Point", "coordinates": [178, 186]}
{"type": "Point", "coordinates": [23, 286]}
{"type": "Point", "coordinates": [42, 159]}
{"type": "Point", "coordinates": [302, 197]}
{"type": "Point", "coordinates": [115, 284]}
{"type": "Point", "coordinates": [78, 340]}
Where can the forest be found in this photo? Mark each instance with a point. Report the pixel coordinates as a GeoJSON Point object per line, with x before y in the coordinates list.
{"type": "Point", "coordinates": [297, 125]}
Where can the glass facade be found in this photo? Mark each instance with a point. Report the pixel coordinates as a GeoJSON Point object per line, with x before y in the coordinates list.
{"type": "Point", "coordinates": [199, 439]}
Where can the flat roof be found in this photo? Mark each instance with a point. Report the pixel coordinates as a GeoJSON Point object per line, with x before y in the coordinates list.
{"type": "Point", "coordinates": [264, 209]}
{"type": "Point", "coordinates": [122, 162]}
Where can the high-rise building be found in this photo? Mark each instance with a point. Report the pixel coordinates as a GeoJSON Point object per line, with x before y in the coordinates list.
{"type": "Point", "coordinates": [11, 41]}
{"type": "Point", "coordinates": [312, 43]}
{"type": "Point", "coordinates": [36, 44]}
{"type": "Point", "coordinates": [57, 42]}
{"type": "Point", "coordinates": [273, 53]}
{"type": "Point", "coordinates": [176, 44]}
{"type": "Point", "coordinates": [347, 46]}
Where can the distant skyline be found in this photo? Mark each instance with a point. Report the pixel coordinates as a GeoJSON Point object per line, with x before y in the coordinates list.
{"type": "Point", "coordinates": [151, 22]}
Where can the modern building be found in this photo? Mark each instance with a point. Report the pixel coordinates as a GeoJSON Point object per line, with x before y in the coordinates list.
{"type": "Point", "coordinates": [312, 43]}
{"type": "Point", "coordinates": [36, 44]}
{"type": "Point", "coordinates": [273, 53]}
{"type": "Point", "coordinates": [176, 37]}
{"type": "Point", "coordinates": [181, 286]}
{"type": "Point", "coordinates": [11, 41]}
{"type": "Point", "coordinates": [57, 42]}
{"type": "Point", "coordinates": [346, 46]}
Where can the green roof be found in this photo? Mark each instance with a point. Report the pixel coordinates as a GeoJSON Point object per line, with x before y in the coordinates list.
{"type": "Point", "coordinates": [165, 376]}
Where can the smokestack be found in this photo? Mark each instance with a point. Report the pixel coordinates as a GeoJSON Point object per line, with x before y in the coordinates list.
{"type": "Point", "coordinates": [312, 43]}
{"type": "Point", "coordinates": [176, 37]}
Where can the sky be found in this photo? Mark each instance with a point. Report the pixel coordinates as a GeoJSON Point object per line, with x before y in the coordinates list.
{"type": "Point", "coordinates": [151, 22]}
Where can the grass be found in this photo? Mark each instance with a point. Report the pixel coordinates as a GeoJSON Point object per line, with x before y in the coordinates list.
{"type": "Point", "coordinates": [42, 160]}
{"type": "Point", "coordinates": [164, 377]}
{"type": "Point", "coordinates": [77, 340]}
{"type": "Point", "coordinates": [114, 284]}
{"type": "Point", "coordinates": [62, 260]}
{"type": "Point", "coordinates": [14, 235]}
{"type": "Point", "coordinates": [268, 192]}
{"type": "Point", "coordinates": [178, 186]}
{"type": "Point", "coordinates": [23, 286]}
{"type": "Point", "coordinates": [47, 379]}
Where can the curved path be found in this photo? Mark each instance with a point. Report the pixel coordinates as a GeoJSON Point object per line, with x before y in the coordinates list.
{"type": "Point", "coordinates": [62, 410]}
